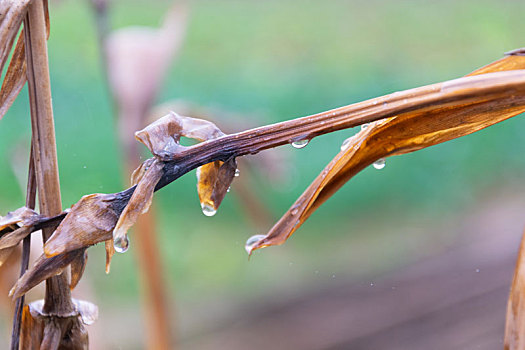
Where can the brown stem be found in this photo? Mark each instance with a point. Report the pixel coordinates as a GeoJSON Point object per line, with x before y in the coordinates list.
{"type": "Point", "coordinates": [58, 296]}
{"type": "Point", "coordinates": [26, 247]}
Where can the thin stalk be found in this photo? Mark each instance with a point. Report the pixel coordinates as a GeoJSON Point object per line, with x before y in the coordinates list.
{"type": "Point", "coordinates": [58, 296]}
{"type": "Point", "coordinates": [26, 247]}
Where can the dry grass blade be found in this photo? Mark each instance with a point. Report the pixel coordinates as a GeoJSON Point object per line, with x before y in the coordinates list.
{"type": "Point", "coordinates": [43, 269]}
{"type": "Point", "coordinates": [408, 132]}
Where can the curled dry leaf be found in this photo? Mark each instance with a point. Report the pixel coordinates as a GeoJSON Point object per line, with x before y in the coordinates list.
{"type": "Point", "coordinates": [138, 204]}
{"type": "Point", "coordinates": [77, 269]}
{"type": "Point", "coordinates": [411, 131]}
{"type": "Point", "coordinates": [43, 269]}
{"type": "Point", "coordinates": [162, 138]}
{"type": "Point", "coordinates": [31, 330]}
{"type": "Point", "coordinates": [90, 221]}
{"type": "Point", "coordinates": [22, 216]}
{"type": "Point", "coordinates": [213, 181]}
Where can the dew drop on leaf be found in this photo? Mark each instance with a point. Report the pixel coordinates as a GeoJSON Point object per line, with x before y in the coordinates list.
{"type": "Point", "coordinates": [237, 173]}
{"type": "Point", "coordinates": [121, 244]}
{"type": "Point", "coordinates": [379, 164]}
{"type": "Point", "coordinates": [364, 126]}
{"type": "Point", "coordinates": [300, 143]}
{"type": "Point", "coordinates": [208, 210]}
{"type": "Point", "coordinates": [251, 242]}
{"type": "Point", "coordinates": [346, 144]}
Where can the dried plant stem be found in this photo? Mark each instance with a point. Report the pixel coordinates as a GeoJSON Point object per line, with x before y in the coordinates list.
{"type": "Point", "coordinates": [58, 296]}
{"type": "Point", "coordinates": [26, 246]}
{"type": "Point", "coordinates": [515, 318]}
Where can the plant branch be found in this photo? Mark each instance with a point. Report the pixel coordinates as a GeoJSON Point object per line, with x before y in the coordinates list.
{"type": "Point", "coordinates": [58, 296]}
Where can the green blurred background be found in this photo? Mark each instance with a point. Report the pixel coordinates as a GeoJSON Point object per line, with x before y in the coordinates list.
{"type": "Point", "coordinates": [277, 60]}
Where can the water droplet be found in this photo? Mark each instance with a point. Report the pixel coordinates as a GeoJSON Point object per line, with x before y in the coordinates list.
{"type": "Point", "coordinates": [121, 244]}
{"type": "Point", "coordinates": [477, 270]}
{"type": "Point", "coordinates": [371, 284]}
{"type": "Point", "coordinates": [85, 167]}
{"type": "Point", "coordinates": [250, 242]}
{"type": "Point", "coordinates": [300, 143]}
{"type": "Point", "coordinates": [237, 173]}
{"type": "Point", "coordinates": [346, 144]}
{"type": "Point", "coordinates": [208, 210]}
{"type": "Point", "coordinates": [295, 211]}
{"type": "Point", "coordinates": [333, 276]}
{"type": "Point", "coordinates": [364, 126]}
{"type": "Point", "coordinates": [380, 164]}
{"type": "Point", "coordinates": [229, 189]}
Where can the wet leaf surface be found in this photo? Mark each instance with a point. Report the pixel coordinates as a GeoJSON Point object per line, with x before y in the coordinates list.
{"type": "Point", "coordinates": [408, 132]}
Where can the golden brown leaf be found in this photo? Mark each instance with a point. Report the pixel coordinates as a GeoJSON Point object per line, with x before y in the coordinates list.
{"type": "Point", "coordinates": [411, 131]}
{"type": "Point", "coordinates": [5, 254]}
{"type": "Point", "coordinates": [90, 221]}
{"type": "Point", "coordinates": [77, 269]}
{"type": "Point", "coordinates": [138, 204]}
{"type": "Point", "coordinates": [42, 270]}
{"type": "Point", "coordinates": [213, 181]}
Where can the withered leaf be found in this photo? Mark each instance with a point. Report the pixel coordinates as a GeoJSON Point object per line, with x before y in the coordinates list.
{"type": "Point", "coordinates": [15, 77]}
{"type": "Point", "coordinates": [12, 13]}
{"type": "Point", "coordinates": [213, 181]}
{"type": "Point", "coordinates": [77, 269]}
{"type": "Point", "coordinates": [31, 330]}
{"type": "Point", "coordinates": [22, 216]}
{"type": "Point", "coordinates": [162, 137]}
{"type": "Point", "coordinates": [43, 269]}
{"type": "Point", "coordinates": [90, 221]}
{"type": "Point", "coordinates": [411, 131]}
{"type": "Point", "coordinates": [12, 238]}
{"type": "Point", "coordinates": [140, 201]}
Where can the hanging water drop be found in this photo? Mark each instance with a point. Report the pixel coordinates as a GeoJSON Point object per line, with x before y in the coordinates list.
{"type": "Point", "coordinates": [346, 144]}
{"type": "Point", "coordinates": [380, 163]}
{"type": "Point", "coordinates": [237, 173]}
{"type": "Point", "coordinates": [364, 126]}
{"type": "Point", "coordinates": [121, 244]}
{"type": "Point", "coordinates": [208, 210]}
{"type": "Point", "coordinates": [300, 143]}
{"type": "Point", "coordinates": [229, 189]}
{"type": "Point", "coordinates": [251, 242]}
